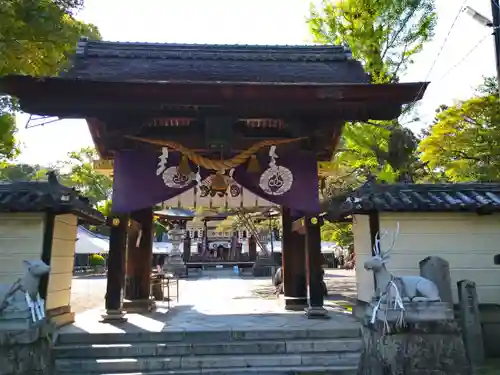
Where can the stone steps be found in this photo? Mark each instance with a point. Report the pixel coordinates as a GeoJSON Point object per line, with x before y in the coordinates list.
{"type": "Point", "coordinates": [300, 370]}
{"type": "Point", "coordinates": [218, 348]}
{"type": "Point", "coordinates": [340, 331]}
{"type": "Point", "coordinates": [330, 351]}
{"type": "Point", "coordinates": [198, 362]}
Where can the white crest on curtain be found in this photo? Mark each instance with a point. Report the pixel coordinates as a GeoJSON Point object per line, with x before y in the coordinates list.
{"type": "Point", "coordinates": [171, 176]}
{"type": "Point", "coordinates": [275, 180]}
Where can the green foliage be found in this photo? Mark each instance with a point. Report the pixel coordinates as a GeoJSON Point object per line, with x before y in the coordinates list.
{"type": "Point", "coordinates": [21, 172]}
{"type": "Point", "coordinates": [8, 147]}
{"type": "Point", "coordinates": [36, 38]}
{"type": "Point", "coordinates": [384, 34]}
{"type": "Point", "coordinates": [82, 176]}
{"type": "Point", "coordinates": [340, 233]}
{"type": "Point", "coordinates": [77, 171]}
{"type": "Point", "coordinates": [105, 207]}
{"type": "Point", "coordinates": [97, 260]}
{"type": "Point", "coordinates": [464, 141]}
{"type": "Point", "coordinates": [43, 32]}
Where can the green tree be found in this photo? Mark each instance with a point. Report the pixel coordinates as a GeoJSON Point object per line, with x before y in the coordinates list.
{"type": "Point", "coordinates": [340, 233]}
{"type": "Point", "coordinates": [463, 142]}
{"type": "Point", "coordinates": [21, 172]}
{"type": "Point", "coordinates": [36, 38]}
{"type": "Point", "coordinates": [97, 260]}
{"type": "Point", "coordinates": [385, 35]}
{"type": "Point", "coordinates": [78, 172]}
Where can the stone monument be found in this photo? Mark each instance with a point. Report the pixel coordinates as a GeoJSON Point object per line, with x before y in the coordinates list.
{"type": "Point", "coordinates": [175, 263]}
{"type": "Point", "coordinates": [407, 329]}
{"type": "Point", "coordinates": [437, 270]}
{"type": "Point", "coordinates": [470, 321]}
{"type": "Point", "coordinates": [24, 330]}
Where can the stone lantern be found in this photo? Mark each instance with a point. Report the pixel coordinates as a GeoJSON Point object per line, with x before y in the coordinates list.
{"type": "Point", "coordinates": [175, 263]}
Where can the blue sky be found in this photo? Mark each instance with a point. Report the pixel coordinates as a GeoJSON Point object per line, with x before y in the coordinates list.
{"type": "Point", "coordinates": [264, 22]}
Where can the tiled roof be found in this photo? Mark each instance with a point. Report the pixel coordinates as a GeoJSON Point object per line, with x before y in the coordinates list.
{"type": "Point", "coordinates": [179, 213]}
{"type": "Point", "coordinates": [116, 61]}
{"type": "Point", "coordinates": [41, 196]}
{"type": "Point", "coordinates": [372, 197]}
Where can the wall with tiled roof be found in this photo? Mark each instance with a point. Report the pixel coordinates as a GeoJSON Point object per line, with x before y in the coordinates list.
{"type": "Point", "coordinates": [464, 197]}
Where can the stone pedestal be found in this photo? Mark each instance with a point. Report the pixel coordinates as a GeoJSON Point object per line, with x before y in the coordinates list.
{"type": "Point", "coordinates": [429, 342]}
{"type": "Point", "coordinates": [139, 305]}
{"type": "Point", "coordinates": [27, 351]}
{"type": "Point", "coordinates": [175, 265]}
{"type": "Point", "coordinates": [114, 316]}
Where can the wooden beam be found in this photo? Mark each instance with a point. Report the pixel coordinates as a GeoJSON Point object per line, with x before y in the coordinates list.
{"type": "Point", "coordinates": [210, 93]}
{"type": "Point", "coordinates": [101, 107]}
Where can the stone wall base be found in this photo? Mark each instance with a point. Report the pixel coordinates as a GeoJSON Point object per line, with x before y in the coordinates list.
{"type": "Point", "coordinates": [430, 348]}
{"type": "Point", "coordinates": [26, 352]}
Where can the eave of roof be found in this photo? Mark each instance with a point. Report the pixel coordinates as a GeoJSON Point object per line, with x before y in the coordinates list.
{"type": "Point", "coordinates": [463, 197]}
{"type": "Point", "coordinates": [47, 196]}
{"type": "Point", "coordinates": [176, 213]}
{"type": "Point", "coordinates": [60, 92]}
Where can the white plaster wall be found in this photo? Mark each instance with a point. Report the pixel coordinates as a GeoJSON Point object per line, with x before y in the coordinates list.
{"type": "Point", "coordinates": [466, 240]}
{"type": "Point", "coordinates": [21, 238]}
{"type": "Point", "coordinates": [62, 261]}
{"type": "Point", "coordinates": [362, 249]}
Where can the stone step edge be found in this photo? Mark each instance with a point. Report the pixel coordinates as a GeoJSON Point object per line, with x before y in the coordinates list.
{"type": "Point", "coordinates": [182, 335]}
{"type": "Point", "coordinates": [134, 359]}
{"type": "Point", "coordinates": [77, 347]}
{"type": "Point", "coordinates": [214, 357]}
{"type": "Point", "coordinates": [284, 370]}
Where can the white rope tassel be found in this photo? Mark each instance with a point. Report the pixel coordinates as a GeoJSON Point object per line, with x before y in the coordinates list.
{"type": "Point", "coordinates": [31, 306]}
{"type": "Point", "coordinates": [162, 161]}
{"type": "Point", "coordinates": [197, 177]}
{"type": "Point", "coordinates": [397, 303]}
{"type": "Point", "coordinates": [139, 238]}
{"type": "Point", "coordinates": [273, 156]}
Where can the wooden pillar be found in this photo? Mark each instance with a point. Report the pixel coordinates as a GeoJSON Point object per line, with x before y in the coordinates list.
{"type": "Point", "coordinates": [293, 265]}
{"type": "Point", "coordinates": [252, 248]}
{"type": "Point", "coordinates": [139, 259]}
{"type": "Point", "coordinates": [314, 261]}
{"type": "Point", "coordinates": [48, 237]}
{"type": "Point", "coordinates": [187, 249]}
{"type": "Point", "coordinates": [116, 267]}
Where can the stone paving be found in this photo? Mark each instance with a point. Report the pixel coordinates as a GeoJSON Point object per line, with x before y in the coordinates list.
{"type": "Point", "coordinates": [217, 301]}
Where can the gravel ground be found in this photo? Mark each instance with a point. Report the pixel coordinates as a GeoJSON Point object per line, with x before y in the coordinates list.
{"type": "Point", "coordinates": [341, 285]}
{"type": "Point", "coordinates": [87, 292]}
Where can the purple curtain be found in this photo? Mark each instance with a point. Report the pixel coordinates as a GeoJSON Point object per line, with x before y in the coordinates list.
{"type": "Point", "coordinates": [292, 183]}
{"type": "Point", "coordinates": [144, 178]}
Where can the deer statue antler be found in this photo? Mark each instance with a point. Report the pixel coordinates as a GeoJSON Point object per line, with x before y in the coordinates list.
{"type": "Point", "coordinates": [378, 238]}
{"type": "Point", "coordinates": [386, 254]}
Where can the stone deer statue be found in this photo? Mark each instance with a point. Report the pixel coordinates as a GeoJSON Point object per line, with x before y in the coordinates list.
{"type": "Point", "coordinates": [23, 295]}
{"type": "Point", "coordinates": [402, 288]}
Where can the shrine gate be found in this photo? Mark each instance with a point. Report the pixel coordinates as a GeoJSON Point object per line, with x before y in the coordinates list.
{"type": "Point", "coordinates": [216, 123]}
